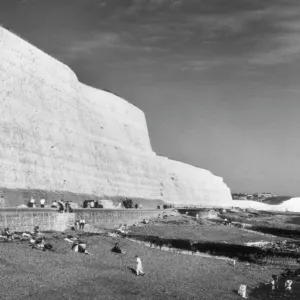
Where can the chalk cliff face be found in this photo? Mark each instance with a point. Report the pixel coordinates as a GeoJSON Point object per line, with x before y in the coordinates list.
{"type": "Point", "coordinates": [57, 134]}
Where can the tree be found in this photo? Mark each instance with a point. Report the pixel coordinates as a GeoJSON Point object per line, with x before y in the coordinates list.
{"type": "Point", "coordinates": [128, 203]}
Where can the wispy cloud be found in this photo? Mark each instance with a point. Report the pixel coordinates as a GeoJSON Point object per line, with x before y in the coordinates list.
{"type": "Point", "coordinates": [96, 42]}
{"type": "Point", "coordinates": [211, 34]}
{"type": "Point", "coordinates": [194, 34]}
{"type": "Point", "coordinates": [107, 41]}
{"type": "Point", "coordinates": [283, 45]}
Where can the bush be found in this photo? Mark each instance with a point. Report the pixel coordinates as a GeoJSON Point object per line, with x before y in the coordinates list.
{"type": "Point", "coordinates": [128, 203]}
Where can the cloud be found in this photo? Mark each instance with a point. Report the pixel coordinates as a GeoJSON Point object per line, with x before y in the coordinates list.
{"type": "Point", "coordinates": [106, 42]}
{"type": "Point", "coordinates": [283, 46]}
{"type": "Point", "coordinates": [258, 31]}
{"type": "Point", "coordinates": [286, 50]}
{"type": "Point", "coordinates": [194, 34]}
{"type": "Point", "coordinates": [96, 42]}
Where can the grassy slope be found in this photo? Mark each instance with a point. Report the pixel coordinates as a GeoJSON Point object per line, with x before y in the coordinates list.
{"type": "Point", "coordinates": [197, 232]}
{"type": "Point", "coordinates": [278, 220]}
{"type": "Point", "coordinates": [31, 274]}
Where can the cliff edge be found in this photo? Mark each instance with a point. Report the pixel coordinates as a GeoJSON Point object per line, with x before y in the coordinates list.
{"type": "Point", "coordinates": [59, 136]}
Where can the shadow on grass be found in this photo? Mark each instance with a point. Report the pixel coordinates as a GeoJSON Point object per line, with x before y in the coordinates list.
{"type": "Point", "coordinates": [132, 270]}
{"type": "Point", "coordinates": [282, 232]}
{"type": "Point", "coordinates": [234, 251]}
{"type": "Point", "coordinates": [294, 221]}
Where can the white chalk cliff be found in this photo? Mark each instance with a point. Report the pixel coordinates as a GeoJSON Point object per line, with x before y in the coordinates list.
{"type": "Point", "coordinates": [57, 134]}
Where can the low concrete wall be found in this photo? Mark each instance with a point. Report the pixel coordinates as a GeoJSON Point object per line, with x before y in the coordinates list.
{"type": "Point", "coordinates": [110, 218]}
{"type": "Point", "coordinates": [48, 219]}
{"type": "Point", "coordinates": [25, 220]}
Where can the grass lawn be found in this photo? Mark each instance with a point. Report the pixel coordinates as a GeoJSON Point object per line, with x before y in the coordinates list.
{"type": "Point", "coordinates": [31, 274]}
{"type": "Point", "coordinates": [290, 221]}
{"type": "Point", "coordinates": [194, 231]}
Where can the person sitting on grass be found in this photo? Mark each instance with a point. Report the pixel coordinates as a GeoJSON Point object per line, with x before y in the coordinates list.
{"type": "Point", "coordinates": [8, 235]}
{"type": "Point", "coordinates": [117, 249]}
{"type": "Point", "coordinates": [40, 244]}
{"type": "Point", "coordinates": [79, 246]}
{"type": "Point", "coordinates": [36, 230]}
{"type": "Point", "coordinates": [37, 243]}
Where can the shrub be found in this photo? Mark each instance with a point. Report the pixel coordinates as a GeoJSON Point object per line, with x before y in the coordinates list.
{"type": "Point", "coordinates": [128, 203]}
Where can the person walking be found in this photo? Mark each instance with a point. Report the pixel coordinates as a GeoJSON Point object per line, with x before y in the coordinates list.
{"type": "Point", "coordinates": [139, 267]}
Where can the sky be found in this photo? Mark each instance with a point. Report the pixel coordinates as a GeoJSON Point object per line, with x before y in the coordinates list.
{"type": "Point", "coordinates": [218, 80]}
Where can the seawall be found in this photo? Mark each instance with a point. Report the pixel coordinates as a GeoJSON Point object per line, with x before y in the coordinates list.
{"type": "Point", "coordinates": [59, 136]}
{"type": "Point", "coordinates": [49, 219]}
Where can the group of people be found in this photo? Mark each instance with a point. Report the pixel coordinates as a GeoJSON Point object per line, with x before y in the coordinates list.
{"type": "Point", "coordinates": [35, 240]}
{"type": "Point", "coordinates": [62, 206]}
{"type": "Point", "coordinates": [91, 204]}
{"type": "Point", "coordinates": [274, 283]}
{"type": "Point", "coordinates": [242, 291]}
{"type": "Point", "coordinates": [32, 203]}
{"type": "Point", "coordinates": [79, 224]}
